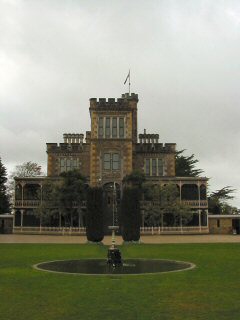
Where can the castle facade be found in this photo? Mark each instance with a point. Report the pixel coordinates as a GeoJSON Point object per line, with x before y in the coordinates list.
{"type": "Point", "coordinates": [107, 153]}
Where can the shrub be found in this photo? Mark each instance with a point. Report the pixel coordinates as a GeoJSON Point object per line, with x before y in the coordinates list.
{"type": "Point", "coordinates": [94, 216]}
{"type": "Point", "coordinates": [130, 214]}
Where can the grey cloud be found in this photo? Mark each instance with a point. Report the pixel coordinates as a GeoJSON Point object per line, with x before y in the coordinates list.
{"type": "Point", "coordinates": [184, 59]}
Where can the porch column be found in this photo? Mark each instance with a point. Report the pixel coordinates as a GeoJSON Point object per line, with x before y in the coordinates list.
{"type": "Point", "coordinates": [199, 208]}
{"type": "Point", "coordinates": [41, 199]}
{"type": "Point", "coordinates": [180, 190]}
{"type": "Point", "coordinates": [22, 212]}
{"type": "Point", "coordinates": [22, 185]}
{"type": "Point", "coordinates": [207, 217]}
{"type": "Point", "coordinates": [142, 218]}
{"type": "Point", "coordinates": [14, 212]}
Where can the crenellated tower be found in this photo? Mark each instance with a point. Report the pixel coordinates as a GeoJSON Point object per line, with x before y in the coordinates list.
{"type": "Point", "coordinates": [113, 133]}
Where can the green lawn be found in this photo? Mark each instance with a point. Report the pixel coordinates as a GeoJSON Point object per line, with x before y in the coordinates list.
{"type": "Point", "coordinates": [210, 291]}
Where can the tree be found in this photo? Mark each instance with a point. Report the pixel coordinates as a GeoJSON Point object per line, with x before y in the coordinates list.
{"type": "Point", "coordinates": [27, 169]}
{"type": "Point", "coordinates": [136, 178]}
{"type": "Point", "coordinates": [94, 216]}
{"type": "Point", "coordinates": [63, 198]}
{"type": "Point", "coordinates": [218, 201]}
{"type": "Point", "coordinates": [4, 197]}
{"type": "Point", "coordinates": [166, 208]}
{"type": "Point", "coordinates": [186, 165]}
{"type": "Point", "coordinates": [130, 214]}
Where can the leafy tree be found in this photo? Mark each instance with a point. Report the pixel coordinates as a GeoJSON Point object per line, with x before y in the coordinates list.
{"type": "Point", "coordinates": [218, 201]}
{"type": "Point", "coordinates": [27, 169]}
{"type": "Point", "coordinates": [136, 178]}
{"type": "Point", "coordinates": [4, 198]}
{"type": "Point", "coordinates": [186, 165]}
{"type": "Point", "coordinates": [166, 208]}
{"type": "Point", "coordinates": [130, 214]}
{"type": "Point", "coordinates": [94, 216]}
{"type": "Point", "coordinates": [63, 198]}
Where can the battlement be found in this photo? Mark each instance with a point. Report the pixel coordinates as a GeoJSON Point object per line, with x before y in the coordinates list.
{"type": "Point", "coordinates": [72, 142]}
{"type": "Point", "coordinates": [148, 138]}
{"type": "Point", "coordinates": [73, 138]}
{"type": "Point", "coordinates": [156, 148]}
{"type": "Point", "coordinates": [112, 102]}
{"type": "Point", "coordinates": [64, 147]}
{"type": "Point", "coordinates": [150, 143]}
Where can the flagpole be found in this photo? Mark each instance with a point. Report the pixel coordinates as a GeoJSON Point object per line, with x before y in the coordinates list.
{"type": "Point", "coordinates": [129, 83]}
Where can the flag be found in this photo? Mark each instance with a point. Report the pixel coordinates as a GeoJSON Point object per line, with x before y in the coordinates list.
{"type": "Point", "coordinates": [128, 76]}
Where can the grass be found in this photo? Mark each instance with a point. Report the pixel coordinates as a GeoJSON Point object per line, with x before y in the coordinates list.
{"type": "Point", "coordinates": [210, 291]}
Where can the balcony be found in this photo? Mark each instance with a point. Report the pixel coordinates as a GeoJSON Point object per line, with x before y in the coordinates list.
{"type": "Point", "coordinates": [203, 204]}
{"type": "Point", "coordinates": [27, 203]}
{"type": "Point", "coordinates": [24, 204]}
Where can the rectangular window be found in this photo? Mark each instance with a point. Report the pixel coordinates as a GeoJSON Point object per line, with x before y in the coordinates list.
{"type": "Point", "coordinates": [154, 167]}
{"type": "Point", "coordinates": [160, 167]}
{"type": "Point", "coordinates": [100, 127]}
{"type": "Point", "coordinates": [218, 223]}
{"type": "Point", "coordinates": [121, 127]}
{"type": "Point", "coordinates": [147, 167]}
{"type": "Point", "coordinates": [75, 164]}
{"type": "Point", "coordinates": [107, 128]}
{"type": "Point", "coordinates": [107, 161]}
{"type": "Point", "coordinates": [115, 161]}
{"type": "Point", "coordinates": [62, 165]}
{"type": "Point", "coordinates": [68, 164]}
{"type": "Point", "coordinates": [114, 127]}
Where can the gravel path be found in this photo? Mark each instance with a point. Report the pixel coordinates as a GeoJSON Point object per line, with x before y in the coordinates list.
{"type": "Point", "coordinates": [16, 238]}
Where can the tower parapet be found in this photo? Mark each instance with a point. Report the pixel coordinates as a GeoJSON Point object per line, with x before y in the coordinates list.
{"type": "Point", "coordinates": [122, 102]}
{"type": "Point", "coordinates": [73, 138]}
{"type": "Point", "coordinates": [150, 143]}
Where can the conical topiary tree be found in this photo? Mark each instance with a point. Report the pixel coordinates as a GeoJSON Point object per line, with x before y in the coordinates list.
{"type": "Point", "coordinates": [130, 214]}
{"type": "Point", "coordinates": [94, 215]}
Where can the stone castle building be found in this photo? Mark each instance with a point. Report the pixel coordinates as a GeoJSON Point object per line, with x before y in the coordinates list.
{"type": "Point", "coordinates": [111, 150]}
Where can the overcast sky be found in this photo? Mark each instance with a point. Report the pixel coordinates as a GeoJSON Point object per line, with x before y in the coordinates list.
{"type": "Point", "coordinates": [184, 57]}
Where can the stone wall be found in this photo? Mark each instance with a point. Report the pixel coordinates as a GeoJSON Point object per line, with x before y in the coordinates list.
{"type": "Point", "coordinates": [220, 226]}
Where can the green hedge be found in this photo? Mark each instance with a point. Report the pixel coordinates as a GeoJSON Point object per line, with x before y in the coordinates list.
{"type": "Point", "coordinates": [94, 216]}
{"type": "Point", "coordinates": [130, 214]}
